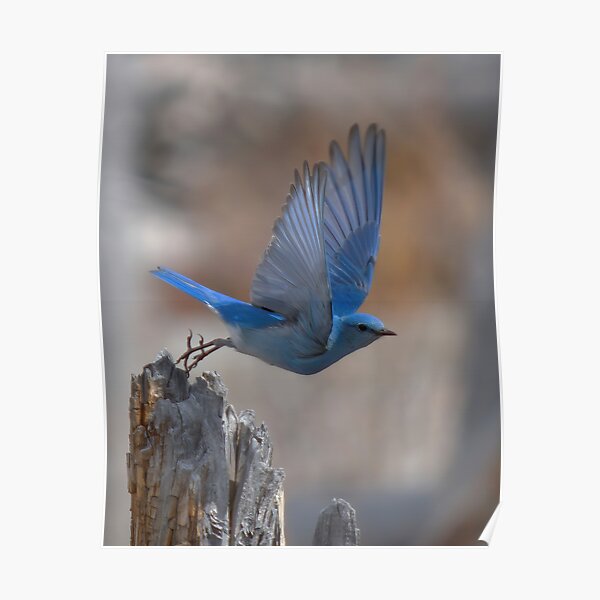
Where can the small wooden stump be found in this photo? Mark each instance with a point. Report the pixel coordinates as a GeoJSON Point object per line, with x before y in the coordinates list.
{"type": "Point", "coordinates": [337, 525]}
{"type": "Point", "coordinates": [198, 473]}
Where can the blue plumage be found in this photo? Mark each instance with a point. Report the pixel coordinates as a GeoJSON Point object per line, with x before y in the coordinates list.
{"type": "Point", "coordinates": [229, 309]}
{"type": "Point", "coordinates": [316, 271]}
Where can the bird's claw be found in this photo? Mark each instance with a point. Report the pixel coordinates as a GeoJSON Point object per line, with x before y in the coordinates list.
{"type": "Point", "coordinates": [201, 348]}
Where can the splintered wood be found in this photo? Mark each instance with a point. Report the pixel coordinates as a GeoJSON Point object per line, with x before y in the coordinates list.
{"type": "Point", "coordinates": [198, 473]}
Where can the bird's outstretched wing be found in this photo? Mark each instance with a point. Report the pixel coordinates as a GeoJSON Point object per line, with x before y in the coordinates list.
{"type": "Point", "coordinates": [352, 216]}
{"type": "Point", "coordinates": [292, 278]}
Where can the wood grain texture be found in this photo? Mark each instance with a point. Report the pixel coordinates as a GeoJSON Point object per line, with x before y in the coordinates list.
{"type": "Point", "coordinates": [336, 525]}
{"type": "Point", "coordinates": [198, 473]}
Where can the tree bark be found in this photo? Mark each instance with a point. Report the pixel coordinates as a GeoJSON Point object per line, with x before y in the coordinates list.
{"type": "Point", "coordinates": [198, 473]}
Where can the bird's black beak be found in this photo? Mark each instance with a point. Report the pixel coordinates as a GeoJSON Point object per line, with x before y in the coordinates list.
{"type": "Point", "coordinates": [387, 332]}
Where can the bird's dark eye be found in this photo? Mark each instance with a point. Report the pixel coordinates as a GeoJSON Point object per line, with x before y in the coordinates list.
{"type": "Point", "coordinates": [362, 327]}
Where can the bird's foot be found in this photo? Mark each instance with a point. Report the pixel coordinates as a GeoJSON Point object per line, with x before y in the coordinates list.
{"type": "Point", "coordinates": [203, 348]}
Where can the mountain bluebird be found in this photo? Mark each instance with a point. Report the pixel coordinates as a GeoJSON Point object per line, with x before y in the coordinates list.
{"type": "Point", "coordinates": [315, 272]}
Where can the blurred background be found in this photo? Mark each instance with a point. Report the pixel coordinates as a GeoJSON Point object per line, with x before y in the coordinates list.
{"type": "Point", "coordinates": [197, 158]}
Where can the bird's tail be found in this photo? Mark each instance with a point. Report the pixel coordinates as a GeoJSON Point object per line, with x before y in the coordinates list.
{"type": "Point", "coordinates": [232, 311]}
{"type": "Point", "coordinates": [211, 298]}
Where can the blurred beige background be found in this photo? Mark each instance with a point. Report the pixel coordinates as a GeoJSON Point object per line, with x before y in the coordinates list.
{"type": "Point", "coordinates": [198, 154]}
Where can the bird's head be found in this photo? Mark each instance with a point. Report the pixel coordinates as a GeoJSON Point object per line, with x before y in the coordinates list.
{"type": "Point", "coordinates": [363, 329]}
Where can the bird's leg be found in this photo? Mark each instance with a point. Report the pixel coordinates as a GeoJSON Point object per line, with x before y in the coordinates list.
{"type": "Point", "coordinates": [203, 354]}
{"type": "Point", "coordinates": [190, 349]}
{"type": "Point", "coordinates": [204, 348]}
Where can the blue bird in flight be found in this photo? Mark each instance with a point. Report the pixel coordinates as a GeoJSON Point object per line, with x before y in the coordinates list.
{"type": "Point", "coordinates": [316, 271]}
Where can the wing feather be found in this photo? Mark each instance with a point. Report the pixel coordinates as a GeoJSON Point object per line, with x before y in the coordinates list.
{"type": "Point", "coordinates": [292, 278]}
{"type": "Point", "coordinates": [352, 217]}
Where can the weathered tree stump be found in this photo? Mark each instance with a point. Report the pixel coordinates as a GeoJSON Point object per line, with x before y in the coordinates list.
{"type": "Point", "coordinates": [337, 525]}
{"type": "Point", "coordinates": [198, 473]}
